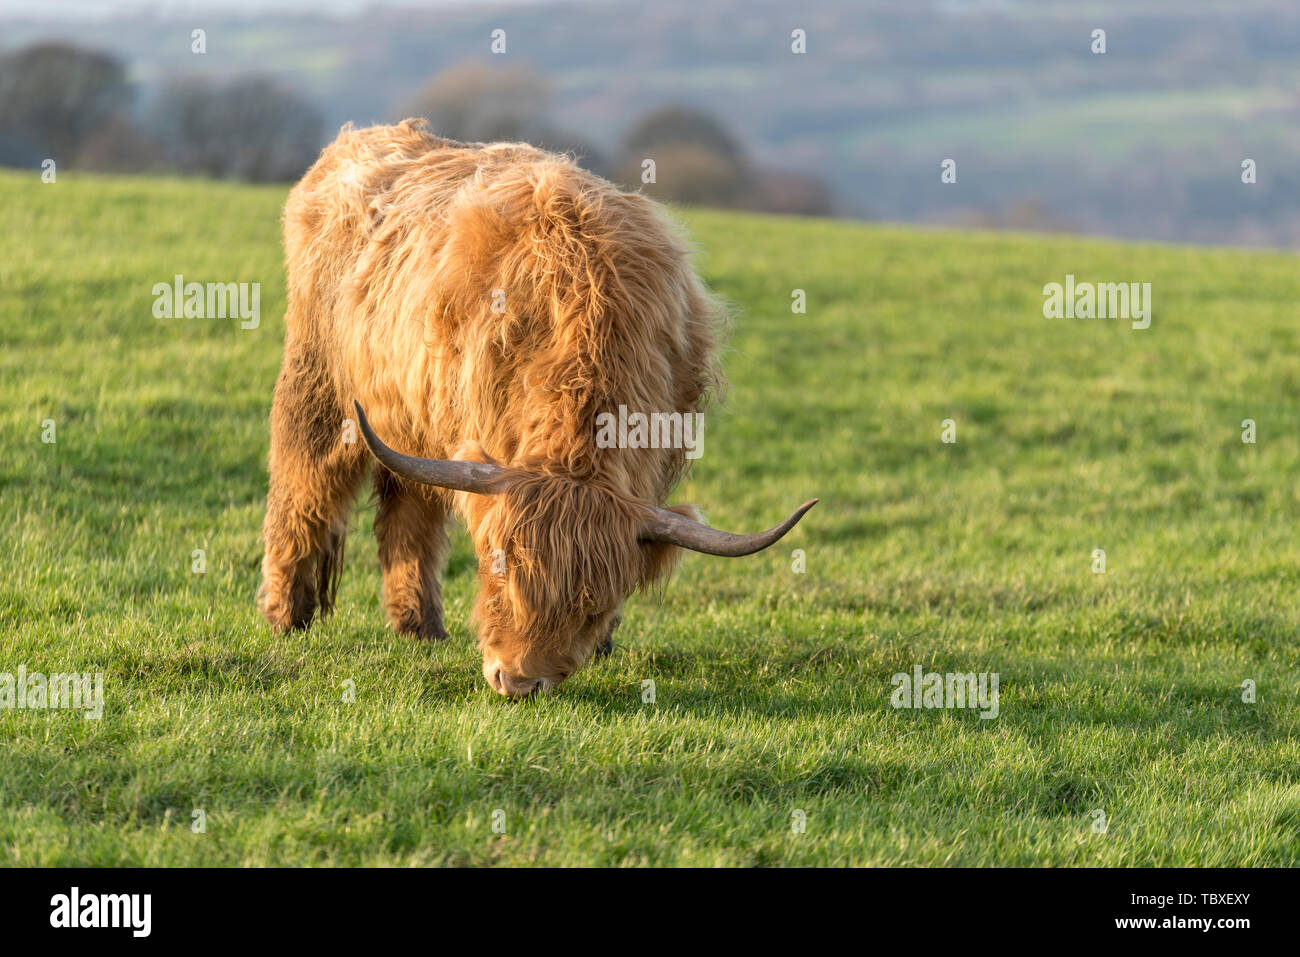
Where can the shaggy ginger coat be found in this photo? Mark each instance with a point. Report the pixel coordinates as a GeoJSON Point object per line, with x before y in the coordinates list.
{"type": "Point", "coordinates": [482, 302]}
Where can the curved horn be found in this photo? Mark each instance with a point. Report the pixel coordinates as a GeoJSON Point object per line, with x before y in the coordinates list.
{"type": "Point", "coordinates": [666, 526]}
{"type": "Point", "coordinates": [444, 473]}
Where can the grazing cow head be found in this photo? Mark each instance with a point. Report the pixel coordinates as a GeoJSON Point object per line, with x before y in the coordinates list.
{"type": "Point", "coordinates": [557, 558]}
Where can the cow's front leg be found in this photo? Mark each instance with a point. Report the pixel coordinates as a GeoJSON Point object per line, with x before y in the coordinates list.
{"type": "Point", "coordinates": [313, 480]}
{"type": "Point", "coordinates": [412, 530]}
{"type": "Point", "coordinates": [606, 647]}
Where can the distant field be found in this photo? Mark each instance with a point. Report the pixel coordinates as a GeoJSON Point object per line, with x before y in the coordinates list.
{"type": "Point", "coordinates": [1112, 125]}
{"type": "Point", "coordinates": [1119, 692]}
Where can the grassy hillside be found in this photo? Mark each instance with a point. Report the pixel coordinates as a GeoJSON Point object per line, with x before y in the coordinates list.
{"type": "Point", "coordinates": [1119, 691]}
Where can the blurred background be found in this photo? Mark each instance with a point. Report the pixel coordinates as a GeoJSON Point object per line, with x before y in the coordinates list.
{"type": "Point", "coordinates": [1144, 141]}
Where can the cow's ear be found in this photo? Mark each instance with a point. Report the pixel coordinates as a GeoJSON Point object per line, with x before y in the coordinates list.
{"type": "Point", "coordinates": [471, 451]}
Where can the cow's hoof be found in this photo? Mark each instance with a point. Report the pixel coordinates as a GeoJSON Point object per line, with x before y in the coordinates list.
{"type": "Point", "coordinates": [606, 647]}
{"type": "Point", "coordinates": [421, 630]}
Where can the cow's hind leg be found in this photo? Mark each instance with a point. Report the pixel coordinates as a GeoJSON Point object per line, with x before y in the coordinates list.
{"type": "Point", "coordinates": [314, 477]}
{"type": "Point", "coordinates": [411, 526]}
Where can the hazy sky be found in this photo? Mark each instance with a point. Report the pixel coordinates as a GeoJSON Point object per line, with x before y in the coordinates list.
{"type": "Point", "coordinates": [83, 9]}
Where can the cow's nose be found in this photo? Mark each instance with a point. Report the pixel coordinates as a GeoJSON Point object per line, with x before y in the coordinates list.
{"type": "Point", "coordinates": [511, 686]}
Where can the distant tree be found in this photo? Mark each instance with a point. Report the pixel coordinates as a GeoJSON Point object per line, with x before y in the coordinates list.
{"type": "Point", "coordinates": [53, 96]}
{"type": "Point", "coordinates": [251, 129]}
{"type": "Point", "coordinates": [17, 152]}
{"type": "Point", "coordinates": [472, 102]}
{"type": "Point", "coordinates": [690, 174]}
{"type": "Point", "coordinates": [119, 146]}
{"type": "Point", "coordinates": [680, 125]}
{"type": "Point", "coordinates": [563, 141]}
{"type": "Point", "coordinates": [794, 193]}
{"type": "Point", "coordinates": [696, 160]}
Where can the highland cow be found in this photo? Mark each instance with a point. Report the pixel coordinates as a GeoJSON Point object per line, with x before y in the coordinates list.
{"type": "Point", "coordinates": [484, 304]}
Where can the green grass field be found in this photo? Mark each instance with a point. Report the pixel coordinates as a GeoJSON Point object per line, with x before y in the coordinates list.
{"type": "Point", "coordinates": [1119, 692]}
